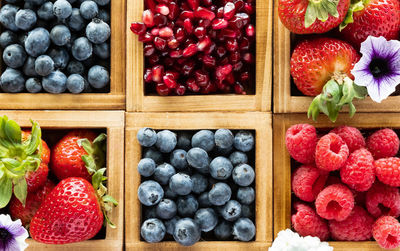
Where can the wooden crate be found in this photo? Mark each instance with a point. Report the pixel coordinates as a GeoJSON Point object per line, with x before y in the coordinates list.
{"type": "Point", "coordinates": [114, 100]}
{"type": "Point", "coordinates": [282, 162]}
{"type": "Point", "coordinates": [261, 101]}
{"type": "Point", "coordinates": [113, 121]}
{"type": "Point", "coordinates": [260, 122]}
{"type": "Point", "coordinates": [284, 102]}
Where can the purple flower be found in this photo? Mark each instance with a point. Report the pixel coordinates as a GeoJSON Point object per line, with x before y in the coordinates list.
{"type": "Point", "coordinates": [379, 67]}
{"type": "Point", "coordinates": [12, 234]}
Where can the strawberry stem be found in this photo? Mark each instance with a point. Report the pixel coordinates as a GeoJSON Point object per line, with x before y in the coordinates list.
{"type": "Point", "coordinates": [96, 157]}
{"type": "Point", "coordinates": [320, 9]}
{"type": "Point", "coordinates": [356, 5]}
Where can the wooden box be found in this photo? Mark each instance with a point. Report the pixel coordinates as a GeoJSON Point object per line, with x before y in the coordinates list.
{"type": "Point", "coordinates": [113, 122]}
{"type": "Point", "coordinates": [137, 100]}
{"type": "Point", "coordinates": [114, 100]}
{"type": "Point", "coordinates": [260, 122]}
{"type": "Point", "coordinates": [284, 101]}
{"type": "Point", "coordinates": [282, 165]}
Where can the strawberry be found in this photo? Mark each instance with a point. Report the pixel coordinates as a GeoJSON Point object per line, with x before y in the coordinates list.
{"type": "Point", "coordinates": [312, 16]}
{"type": "Point", "coordinates": [324, 65]}
{"type": "Point", "coordinates": [32, 204]}
{"type": "Point", "coordinates": [371, 18]}
{"type": "Point", "coordinates": [72, 212]}
{"type": "Point", "coordinates": [78, 154]}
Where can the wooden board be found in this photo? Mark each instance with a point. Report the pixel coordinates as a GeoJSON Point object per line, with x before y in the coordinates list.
{"type": "Point", "coordinates": [261, 101]}
{"type": "Point", "coordinates": [260, 122]}
{"type": "Point", "coordinates": [114, 122]}
{"type": "Point", "coordinates": [282, 168]}
{"type": "Point", "coordinates": [113, 100]}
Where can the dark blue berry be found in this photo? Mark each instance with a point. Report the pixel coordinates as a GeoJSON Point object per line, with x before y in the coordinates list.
{"type": "Point", "coordinates": [89, 10]}
{"type": "Point", "coordinates": [33, 85]}
{"type": "Point", "coordinates": [219, 194]}
{"type": "Point", "coordinates": [198, 158]}
{"type": "Point", "coordinates": [60, 57]}
{"type": "Point", "coordinates": [244, 229]}
{"type": "Point", "coordinates": [244, 141]}
{"type": "Point", "coordinates": [243, 175]}
{"type": "Point", "coordinates": [181, 184]}
{"type": "Point", "coordinates": [55, 82]}
{"type": "Point", "coordinates": [102, 2]}
{"type": "Point", "coordinates": [150, 193]}
{"type": "Point", "coordinates": [29, 67]}
{"type": "Point", "coordinates": [25, 19]}
{"type": "Point", "coordinates": [166, 209]}
{"type": "Point", "coordinates": [247, 211]}
{"type": "Point", "coordinates": [102, 50]}
{"type": "Point", "coordinates": [104, 15]}
{"type": "Point", "coordinates": [184, 141]}
{"type": "Point", "coordinates": [200, 183]}
{"type": "Point", "coordinates": [221, 168]}
{"type": "Point", "coordinates": [62, 9]}
{"type": "Point", "coordinates": [204, 139]}
{"type": "Point", "coordinates": [12, 81]}
{"type": "Point", "coordinates": [187, 232]}
{"type": "Point", "coordinates": [166, 141]}
{"type": "Point", "coordinates": [163, 173]}
{"type": "Point", "coordinates": [223, 231]}
{"type": "Point", "coordinates": [44, 65]}
{"type": "Point", "coordinates": [7, 16]}
{"type": "Point", "coordinates": [178, 159]}
{"type": "Point", "coordinates": [75, 67]}
{"type": "Point", "coordinates": [75, 83]}
{"type": "Point", "coordinates": [203, 200]}
{"type": "Point", "coordinates": [237, 158]}
{"type": "Point", "coordinates": [170, 224]}
{"type": "Point", "coordinates": [8, 37]}
{"type": "Point", "coordinates": [76, 21]}
{"type": "Point", "coordinates": [206, 219]}
{"type": "Point", "coordinates": [37, 42]}
{"type": "Point", "coordinates": [81, 49]}
{"type": "Point", "coordinates": [187, 206]}
{"type": "Point", "coordinates": [98, 76]}
{"type": "Point", "coordinates": [98, 31]}
{"type": "Point", "coordinates": [60, 35]}
{"type": "Point", "coordinates": [223, 138]}
{"type": "Point", "coordinates": [245, 195]}
{"type": "Point", "coordinates": [45, 11]}
{"type": "Point", "coordinates": [147, 137]}
{"type": "Point", "coordinates": [154, 154]}
{"type": "Point", "coordinates": [231, 211]}
{"type": "Point", "coordinates": [146, 167]}
{"type": "Point", "coordinates": [14, 56]}
{"type": "Point", "coordinates": [168, 193]}
{"type": "Point", "coordinates": [153, 230]}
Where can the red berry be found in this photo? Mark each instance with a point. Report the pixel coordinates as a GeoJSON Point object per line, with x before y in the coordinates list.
{"type": "Point", "coordinates": [331, 152]}
{"type": "Point", "coordinates": [190, 50]}
{"type": "Point", "coordinates": [162, 89]}
{"type": "Point", "coordinates": [204, 13]}
{"type": "Point", "coordinates": [162, 9]}
{"type": "Point", "coordinates": [219, 24]}
{"type": "Point", "coordinates": [308, 181]}
{"type": "Point", "coordinates": [157, 73]}
{"type": "Point", "coordinates": [301, 141]}
{"type": "Point", "coordinates": [386, 232]}
{"type": "Point", "coordinates": [383, 143]}
{"type": "Point", "coordinates": [335, 202]}
{"type": "Point", "coordinates": [138, 28]}
{"type": "Point", "coordinates": [229, 10]}
{"type": "Point", "coordinates": [194, 4]}
{"type": "Point", "coordinates": [168, 81]}
{"type": "Point", "coordinates": [388, 171]}
{"type": "Point", "coordinates": [166, 32]}
{"type": "Point", "coordinates": [148, 18]}
{"type": "Point", "coordinates": [352, 136]}
{"type": "Point", "coordinates": [250, 30]}
{"type": "Point", "coordinates": [383, 200]}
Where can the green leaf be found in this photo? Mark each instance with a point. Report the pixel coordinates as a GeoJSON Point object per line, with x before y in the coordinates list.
{"type": "Point", "coordinates": [313, 110]}
{"type": "Point", "coordinates": [5, 191]}
{"type": "Point", "coordinates": [35, 140]}
{"type": "Point", "coordinates": [110, 199]}
{"type": "Point", "coordinates": [21, 190]}
{"type": "Point", "coordinates": [97, 178]}
{"type": "Point", "coordinates": [311, 15]}
{"type": "Point", "coordinates": [96, 157]}
{"type": "Point", "coordinates": [321, 10]}
{"type": "Point", "coordinates": [13, 131]}
{"type": "Point", "coordinates": [352, 110]}
{"type": "Point", "coordinates": [3, 121]}
{"type": "Point", "coordinates": [85, 143]}
{"type": "Point", "coordinates": [356, 5]}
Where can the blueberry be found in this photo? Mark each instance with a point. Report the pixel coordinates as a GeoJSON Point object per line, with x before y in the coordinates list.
{"type": "Point", "coordinates": [25, 19]}
{"type": "Point", "coordinates": [223, 138]}
{"type": "Point", "coordinates": [244, 141]}
{"type": "Point", "coordinates": [62, 9]}
{"type": "Point", "coordinates": [221, 168]}
{"type": "Point", "coordinates": [154, 154]}
{"type": "Point", "coordinates": [102, 50]}
{"type": "Point", "coordinates": [166, 141]}
{"type": "Point", "coordinates": [223, 151]}
{"type": "Point", "coordinates": [245, 195]}
{"type": "Point", "coordinates": [7, 37]}
{"type": "Point", "coordinates": [238, 157]}
{"type": "Point", "coordinates": [181, 184]}
{"type": "Point", "coordinates": [163, 173]}
{"type": "Point", "coordinates": [98, 31]}
{"type": "Point", "coordinates": [168, 193]}
{"type": "Point", "coordinates": [204, 139]}
{"type": "Point", "coordinates": [98, 77]}
{"type": "Point", "coordinates": [44, 65]}
{"type": "Point", "coordinates": [76, 21]}
{"type": "Point", "coordinates": [206, 219]}
{"type": "Point", "coordinates": [231, 211]}
{"type": "Point", "coordinates": [178, 159]}
{"type": "Point", "coordinates": [29, 67]}
{"type": "Point", "coordinates": [150, 193]}
{"type": "Point", "coordinates": [45, 11]}
{"type": "Point", "coordinates": [37, 42]}
{"type": "Point", "coordinates": [170, 224]}
{"type": "Point", "coordinates": [184, 141]}
{"type": "Point", "coordinates": [186, 232]}
{"type": "Point", "coordinates": [166, 209]}
{"type": "Point", "coordinates": [104, 15]}
{"type": "Point", "coordinates": [75, 67]}
{"type": "Point", "coordinates": [153, 230]}
{"type": "Point", "coordinates": [102, 2]}
{"type": "Point", "coordinates": [29, 6]}
{"type": "Point", "coordinates": [22, 36]}
{"type": "Point", "coordinates": [89, 9]}
{"type": "Point", "coordinates": [12, 81]}
{"type": "Point", "coordinates": [14, 56]}
{"type": "Point", "coordinates": [7, 16]}
{"type": "Point", "coordinates": [75, 83]}
{"type": "Point", "coordinates": [60, 57]}
{"type": "Point", "coordinates": [33, 85]}
{"type": "Point", "coordinates": [55, 82]}
{"type": "Point", "coordinates": [82, 49]}
{"type": "Point", "coordinates": [244, 229]}
{"type": "Point", "coordinates": [200, 183]}
{"type": "Point", "coordinates": [146, 167]}
{"type": "Point", "coordinates": [147, 137]}
{"type": "Point", "coordinates": [219, 194]}
{"type": "Point", "coordinates": [60, 35]}
{"type": "Point", "coordinates": [223, 231]}
{"type": "Point", "coordinates": [198, 158]}
{"type": "Point", "coordinates": [247, 211]}
{"type": "Point", "coordinates": [203, 200]}
{"type": "Point", "coordinates": [149, 212]}
{"type": "Point", "coordinates": [36, 2]}
{"type": "Point", "coordinates": [243, 175]}
{"type": "Point", "coordinates": [187, 205]}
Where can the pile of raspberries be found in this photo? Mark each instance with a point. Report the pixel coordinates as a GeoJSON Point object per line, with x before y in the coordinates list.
{"type": "Point", "coordinates": [346, 187]}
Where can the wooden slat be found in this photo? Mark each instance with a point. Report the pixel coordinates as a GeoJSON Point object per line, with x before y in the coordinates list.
{"type": "Point", "coordinates": [200, 246]}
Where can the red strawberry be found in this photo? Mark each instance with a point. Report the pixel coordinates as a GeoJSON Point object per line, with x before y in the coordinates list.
{"type": "Point", "coordinates": [377, 18]}
{"type": "Point", "coordinates": [78, 154]}
{"type": "Point", "coordinates": [36, 179]}
{"type": "Point", "coordinates": [311, 16]}
{"type": "Point", "coordinates": [33, 202]}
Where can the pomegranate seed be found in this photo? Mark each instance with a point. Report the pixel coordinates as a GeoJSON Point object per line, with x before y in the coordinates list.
{"type": "Point", "coordinates": [160, 43]}
{"type": "Point", "coordinates": [210, 88]}
{"type": "Point", "coordinates": [180, 90]}
{"type": "Point", "coordinates": [219, 24]}
{"type": "Point", "coordinates": [229, 33]}
{"type": "Point", "coordinates": [180, 34]}
{"type": "Point", "coordinates": [188, 26]}
{"type": "Point", "coordinates": [162, 9]}
{"type": "Point", "coordinates": [138, 28]}
{"type": "Point", "coordinates": [201, 77]}
{"type": "Point", "coordinates": [188, 67]}
{"type": "Point", "coordinates": [172, 74]}
{"type": "Point", "coordinates": [173, 43]}
{"type": "Point", "coordinates": [221, 51]}
{"type": "Point", "coordinates": [213, 8]}
{"type": "Point", "coordinates": [200, 32]}
{"type": "Point", "coordinates": [244, 77]}
{"type": "Point", "coordinates": [232, 45]}
{"type": "Point", "coordinates": [194, 4]}
{"type": "Point", "coordinates": [204, 13]}
{"type": "Point", "coordinates": [162, 90]}
{"type": "Point", "coordinates": [221, 85]}
{"type": "Point", "coordinates": [248, 58]}
{"type": "Point", "coordinates": [148, 50]}
{"type": "Point", "coordinates": [169, 82]}
{"type": "Point", "coordinates": [148, 18]}
{"type": "Point", "coordinates": [175, 54]}
{"type": "Point", "coordinates": [204, 23]}
{"type": "Point", "coordinates": [150, 4]}
{"type": "Point", "coordinates": [154, 59]}
{"type": "Point", "coordinates": [220, 12]}
{"type": "Point", "coordinates": [146, 38]}
{"type": "Point", "coordinates": [224, 61]}
{"type": "Point", "coordinates": [190, 50]}
{"type": "Point", "coordinates": [239, 89]}
{"type": "Point", "coordinates": [234, 57]}
{"type": "Point", "coordinates": [160, 20]}
{"type": "Point", "coordinates": [191, 84]}
{"type": "Point", "coordinates": [186, 14]}
{"type": "Point", "coordinates": [248, 8]}
{"type": "Point", "coordinates": [157, 73]}
{"type": "Point", "coordinates": [250, 30]}
{"type": "Point", "coordinates": [173, 10]}
{"type": "Point", "coordinates": [203, 44]}
{"type": "Point", "coordinates": [210, 49]}
{"type": "Point", "coordinates": [155, 31]}
{"type": "Point", "coordinates": [239, 5]}
{"type": "Point", "coordinates": [166, 32]}
{"type": "Point", "coordinates": [244, 44]}
{"type": "Point", "coordinates": [238, 66]}
{"type": "Point", "coordinates": [229, 10]}
{"type": "Point", "coordinates": [148, 75]}
{"type": "Point", "coordinates": [209, 61]}
{"type": "Point", "coordinates": [207, 2]}
{"type": "Point", "coordinates": [189, 41]}
{"type": "Point", "coordinates": [230, 79]}
{"type": "Point", "coordinates": [169, 62]}
{"type": "Point", "coordinates": [222, 71]}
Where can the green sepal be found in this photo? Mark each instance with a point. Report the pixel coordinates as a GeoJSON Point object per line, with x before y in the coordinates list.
{"type": "Point", "coordinates": [96, 157]}
{"type": "Point", "coordinates": [5, 190]}
{"type": "Point", "coordinates": [356, 5]}
{"type": "Point", "coordinates": [13, 132]}
{"type": "Point", "coordinates": [320, 9]}
{"type": "Point", "coordinates": [21, 190]}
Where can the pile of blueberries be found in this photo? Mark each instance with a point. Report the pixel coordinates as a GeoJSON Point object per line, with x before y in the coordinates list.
{"type": "Point", "coordinates": [195, 182]}
{"type": "Point", "coordinates": [55, 46]}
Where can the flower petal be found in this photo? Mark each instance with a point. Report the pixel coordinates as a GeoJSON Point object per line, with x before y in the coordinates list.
{"type": "Point", "coordinates": [383, 89]}
{"type": "Point", "coordinates": [363, 78]}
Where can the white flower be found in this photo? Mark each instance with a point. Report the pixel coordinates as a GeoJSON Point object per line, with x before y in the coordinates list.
{"type": "Point", "coordinates": [12, 234]}
{"type": "Point", "coordinates": [287, 240]}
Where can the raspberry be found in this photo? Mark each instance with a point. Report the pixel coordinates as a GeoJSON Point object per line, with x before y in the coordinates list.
{"type": "Point", "coordinates": [357, 227]}
{"type": "Point", "coordinates": [383, 200]}
{"type": "Point", "coordinates": [386, 232]}
{"type": "Point", "coordinates": [358, 171]}
{"type": "Point", "coordinates": [335, 202]}
{"type": "Point", "coordinates": [308, 181]}
{"type": "Point", "coordinates": [331, 152]}
{"type": "Point", "coordinates": [388, 171]}
{"type": "Point", "coordinates": [301, 140]}
{"type": "Point", "coordinates": [383, 143]}
{"type": "Point", "coordinates": [352, 136]}
{"type": "Point", "coordinates": [306, 222]}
